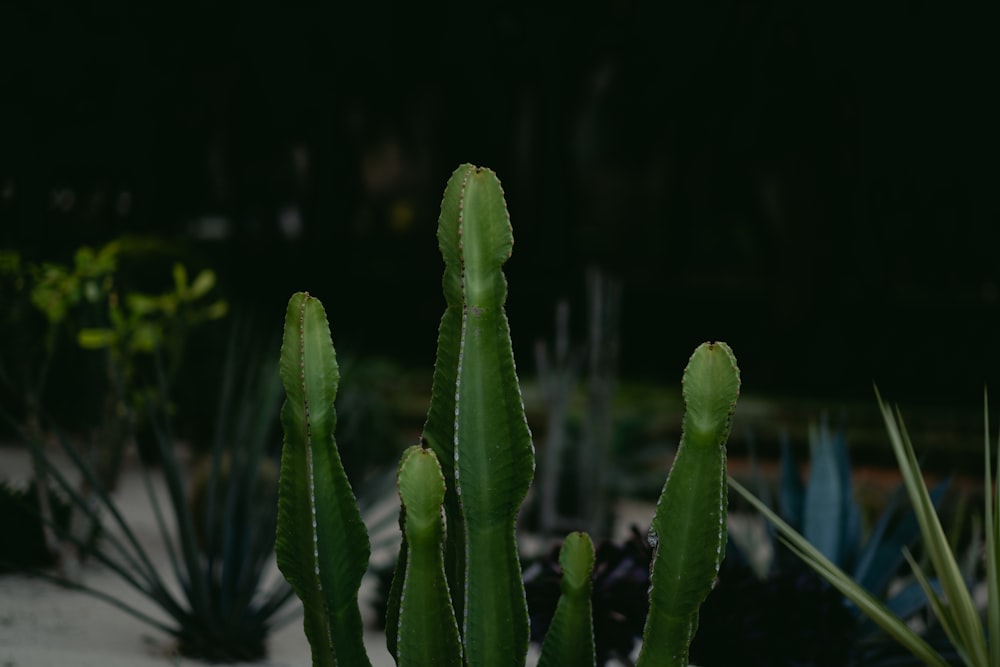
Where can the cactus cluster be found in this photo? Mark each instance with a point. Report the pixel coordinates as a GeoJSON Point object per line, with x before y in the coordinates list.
{"type": "Point", "coordinates": [457, 596]}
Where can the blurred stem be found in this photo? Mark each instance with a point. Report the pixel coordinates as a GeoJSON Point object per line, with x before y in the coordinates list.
{"type": "Point", "coordinates": [118, 421]}
{"type": "Point", "coordinates": [604, 300]}
{"type": "Point", "coordinates": [33, 429]}
{"type": "Point", "coordinates": [557, 377]}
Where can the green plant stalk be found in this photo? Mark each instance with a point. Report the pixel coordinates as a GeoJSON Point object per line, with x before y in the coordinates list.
{"type": "Point", "coordinates": [569, 641]}
{"type": "Point", "coordinates": [429, 634]}
{"type": "Point", "coordinates": [440, 428]}
{"type": "Point", "coordinates": [476, 421]}
{"type": "Point", "coordinates": [321, 543]}
{"type": "Point", "coordinates": [689, 527]}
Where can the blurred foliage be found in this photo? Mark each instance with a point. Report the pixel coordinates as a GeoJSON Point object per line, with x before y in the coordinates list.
{"type": "Point", "coordinates": [215, 594]}
{"type": "Point", "coordinates": [762, 571]}
{"type": "Point", "coordinates": [23, 546]}
{"type": "Point", "coordinates": [94, 304]}
{"type": "Point", "coordinates": [370, 422]}
{"type": "Point", "coordinates": [107, 344]}
{"type": "Point", "coordinates": [953, 627]}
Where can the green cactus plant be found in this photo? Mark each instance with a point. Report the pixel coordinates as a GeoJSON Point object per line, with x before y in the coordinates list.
{"type": "Point", "coordinates": [457, 595]}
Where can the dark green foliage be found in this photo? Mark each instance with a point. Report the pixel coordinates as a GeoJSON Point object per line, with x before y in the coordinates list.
{"type": "Point", "coordinates": [367, 416]}
{"type": "Point", "coordinates": [23, 546]}
{"type": "Point", "coordinates": [245, 498]}
{"type": "Point", "coordinates": [789, 619]}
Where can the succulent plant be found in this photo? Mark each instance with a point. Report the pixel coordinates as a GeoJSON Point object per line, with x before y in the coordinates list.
{"type": "Point", "coordinates": [457, 596]}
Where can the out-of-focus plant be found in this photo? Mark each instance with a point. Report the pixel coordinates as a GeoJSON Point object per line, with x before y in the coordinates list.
{"type": "Point", "coordinates": [575, 462]}
{"type": "Point", "coordinates": [458, 596]}
{"type": "Point", "coordinates": [225, 598]}
{"type": "Point", "coordinates": [825, 511]}
{"type": "Point", "coordinates": [38, 300]}
{"type": "Point", "coordinates": [24, 544]}
{"type": "Point", "coordinates": [944, 585]}
{"type": "Point", "coordinates": [85, 301]}
{"type": "Point", "coordinates": [822, 508]}
{"type": "Point", "coordinates": [138, 325]}
{"type": "Point", "coordinates": [369, 428]}
{"type": "Point", "coordinates": [55, 292]}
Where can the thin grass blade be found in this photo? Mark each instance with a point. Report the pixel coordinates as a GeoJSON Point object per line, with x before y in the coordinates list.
{"type": "Point", "coordinates": [941, 610]}
{"type": "Point", "coordinates": [968, 625]}
{"type": "Point", "coordinates": [992, 516]}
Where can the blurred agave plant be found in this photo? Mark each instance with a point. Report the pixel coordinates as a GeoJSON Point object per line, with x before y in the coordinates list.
{"type": "Point", "coordinates": [944, 584]}
{"type": "Point", "coordinates": [225, 597]}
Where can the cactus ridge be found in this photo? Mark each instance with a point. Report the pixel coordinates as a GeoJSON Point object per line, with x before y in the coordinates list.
{"type": "Point", "coordinates": [457, 596]}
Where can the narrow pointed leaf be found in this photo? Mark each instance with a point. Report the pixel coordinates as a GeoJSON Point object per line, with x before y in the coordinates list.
{"type": "Point", "coordinates": [992, 515]}
{"type": "Point", "coordinates": [865, 601]}
{"type": "Point", "coordinates": [826, 497]}
{"type": "Point", "coordinates": [940, 608]}
{"type": "Point", "coordinates": [967, 623]}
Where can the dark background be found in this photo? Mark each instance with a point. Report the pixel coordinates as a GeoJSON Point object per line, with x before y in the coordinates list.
{"type": "Point", "coordinates": [817, 184]}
